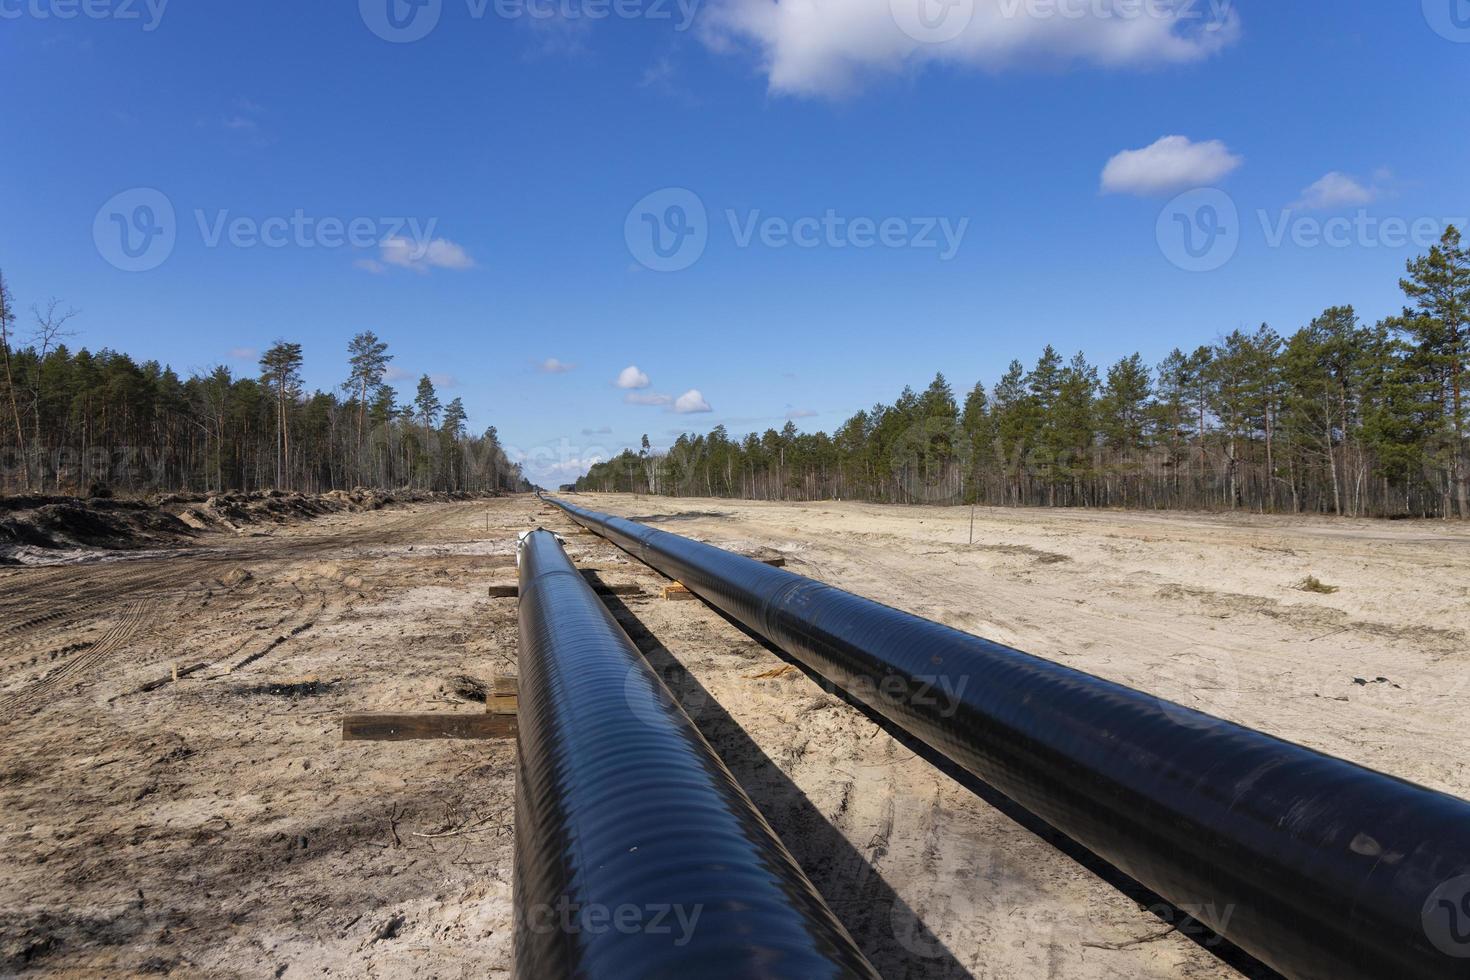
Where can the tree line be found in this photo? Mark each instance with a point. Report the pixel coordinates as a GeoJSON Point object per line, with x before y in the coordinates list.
{"type": "Point", "coordinates": [78, 421]}
{"type": "Point", "coordinates": [1339, 417]}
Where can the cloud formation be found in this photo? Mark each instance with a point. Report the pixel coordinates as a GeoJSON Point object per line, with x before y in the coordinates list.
{"type": "Point", "coordinates": [244, 353]}
{"type": "Point", "coordinates": [1335, 190]}
{"type": "Point", "coordinates": [649, 398]}
{"type": "Point", "coordinates": [632, 378]}
{"type": "Point", "coordinates": [1174, 163]}
{"type": "Point", "coordinates": [553, 366]}
{"type": "Point", "coordinates": [405, 253]}
{"type": "Point", "coordinates": [691, 402]}
{"type": "Point", "coordinates": [800, 413]}
{"type": "Point", "coordinates": [813, 47]}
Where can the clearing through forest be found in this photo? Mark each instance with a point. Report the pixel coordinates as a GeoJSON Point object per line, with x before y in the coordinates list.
{"type": "Point", "coordinates": [216, 824]}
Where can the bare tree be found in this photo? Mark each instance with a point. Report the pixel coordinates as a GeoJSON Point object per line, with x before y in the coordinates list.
{"type": "Point", "coordinates": [49, 333]}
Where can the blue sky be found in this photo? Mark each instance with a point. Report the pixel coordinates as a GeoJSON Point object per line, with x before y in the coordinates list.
{"type": "Point", "coordinates": [500, 168]}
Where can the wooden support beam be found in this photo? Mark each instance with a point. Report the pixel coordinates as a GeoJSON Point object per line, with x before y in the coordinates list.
{"type": "Point", "coordinates": [777, 562]}
{"type": "Point", "coordinates": [602, 588]}
{"type": "Point", "coordinates": [402, 728]}
{"type": "Point", "coordinates": [513, 591]}
{"type": "Point", "coordinates": [678, 591]}
{"type": "Point", "coordinates": [504, 695]}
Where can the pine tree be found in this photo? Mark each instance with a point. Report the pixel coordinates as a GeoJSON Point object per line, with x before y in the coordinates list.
{"type": "Point", "coordinates": [454, 419]}
{"type": "Point", "coordinates": [280, 369]}
{"type": "Point", "coordinates": [367, 361]}
{"type": "Point", "coordinates": [427, 403]}
{"type": "Point", "coordinates": [1439, 285]}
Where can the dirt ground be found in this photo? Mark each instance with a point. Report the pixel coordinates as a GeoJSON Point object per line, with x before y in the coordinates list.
{"type": "Point", "coordinates": [217, 825]}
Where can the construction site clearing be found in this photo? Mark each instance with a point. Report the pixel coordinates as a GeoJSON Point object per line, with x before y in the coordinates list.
{"type": "Point", "coordinates": [198, 775]}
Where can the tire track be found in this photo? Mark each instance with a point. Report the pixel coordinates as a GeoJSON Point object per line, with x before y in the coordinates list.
{"type": "Point", "coordinates": [111, 642]}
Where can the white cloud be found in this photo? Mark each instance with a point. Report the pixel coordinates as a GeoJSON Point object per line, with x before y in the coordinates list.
{"type": "Point", "coordinates": [800, 413]}
{"type": "Point", "coordinates": [397, 374]}
{"type": "Point", "coordinates": [437, 253]}
{"type": "Point", "coordinates": [691, 402]}
{"type": "Point", "coordinates": [244, 353]}
{"type": "Point", "coordinates": [634, 398]}
{"type": "Point", "coordinates": [1174, 163]}
{"type": "Point", "coordinates": [553, 366]}
{"type": "Point", "coordinates": [631, 377]}
{"type": "Point", "coordinates": [444, 380]}
{"type": "Point", "coordinates": [605, 430]}
{"type": "Point", "coordinates": [815, 47]}
{"type": "Point", "coordinates": [1335, 190]}
{"type": "Point", "coordinates": [371, 265]}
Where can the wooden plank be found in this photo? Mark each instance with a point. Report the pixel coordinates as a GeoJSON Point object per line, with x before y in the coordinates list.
{"type": "Point", "coordinates": [504, 591]}
{"type": "Point", "coordinates": [602, 588]}
{"type": "Point", "coordinates": [677, 591]}
{"type": "Point", "coordinates": [775, 562]}
{"type": "Point", "coordinates": [401, 728]}
{"type": "Point", "coordinates": [504, 695]}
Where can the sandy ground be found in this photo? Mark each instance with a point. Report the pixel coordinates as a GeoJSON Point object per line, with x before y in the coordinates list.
{"type": "Point", "coordinates": [218, 826]}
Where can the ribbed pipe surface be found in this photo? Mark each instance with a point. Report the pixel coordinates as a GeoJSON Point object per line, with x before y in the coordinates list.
{"type": "Point", "coordinates": [1319, 867]}
{"type": "Point", "coordinates": [637, 853]}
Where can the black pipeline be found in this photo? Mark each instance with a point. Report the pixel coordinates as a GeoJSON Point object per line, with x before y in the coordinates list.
{"type": "Point", "coordinates": [1321, 868]}
{"type": "Point", "coordinates": [637, 853]}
